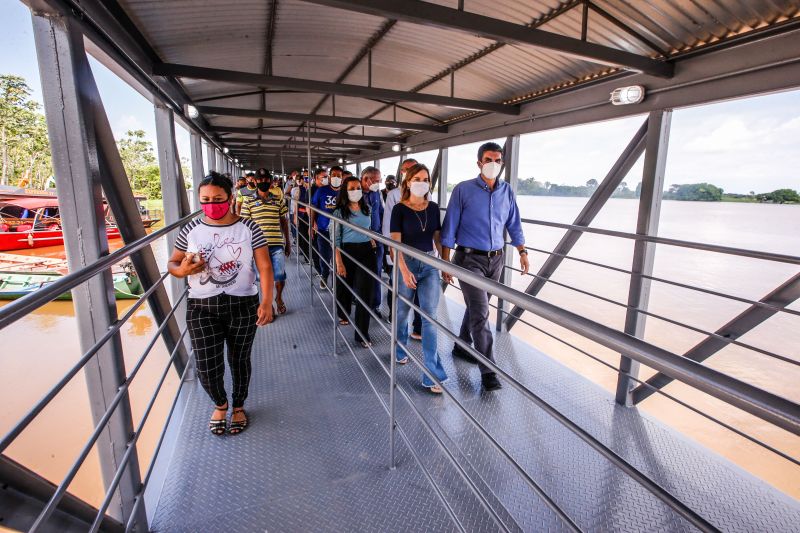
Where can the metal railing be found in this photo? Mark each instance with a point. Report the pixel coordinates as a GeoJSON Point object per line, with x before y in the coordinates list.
{"type": "Point", "coordinates": [20, 308]}
{"type": "Point", "coordinates": [774, 409]}
{"type": "Point", "coordinates": [644, 386]}
{"type": "Point", "coordinates": [722, 338]}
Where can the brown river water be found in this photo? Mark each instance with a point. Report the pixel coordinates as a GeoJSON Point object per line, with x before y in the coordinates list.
{"type": "Point", "coordinates": [38, 349]}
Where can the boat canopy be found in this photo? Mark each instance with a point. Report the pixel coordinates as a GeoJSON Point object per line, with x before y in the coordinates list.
{"type": "Point", "coordinates": [30, 203]}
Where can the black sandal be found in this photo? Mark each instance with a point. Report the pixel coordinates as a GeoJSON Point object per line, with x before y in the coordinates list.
{"type": "Point", "coordinates": [237, 427]}
{"type": "Point", "coordinates": [218, 427]}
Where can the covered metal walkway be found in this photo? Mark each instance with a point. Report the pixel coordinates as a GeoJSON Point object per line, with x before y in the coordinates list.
{"type": "Point", "coordinates": [316, 456]}
{"type": "Point", "coordinates": [285, 83]}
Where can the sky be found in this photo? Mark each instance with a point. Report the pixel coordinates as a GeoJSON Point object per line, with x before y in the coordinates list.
{"type": "Point", "coordinates": [742, 145]}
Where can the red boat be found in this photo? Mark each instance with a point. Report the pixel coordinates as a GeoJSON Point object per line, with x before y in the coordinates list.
{"type": "Point", "coordinates": [34, 223]}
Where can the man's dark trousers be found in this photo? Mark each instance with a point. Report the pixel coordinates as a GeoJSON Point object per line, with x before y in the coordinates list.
{"type": "Point", "coordinates": [475, 324]}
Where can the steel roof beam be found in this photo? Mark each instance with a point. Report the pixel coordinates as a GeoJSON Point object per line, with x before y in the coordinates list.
{"type": "Point", "coordinates": [428, 14]}
{"type": "Point", "coordinates": [325, 119]}
{"type": "Point", "coordinates": [298, 134]}
{"type": "Point", "coordinates": [324, 87]}
{"type": "Point", "coordinates": [230, 141]}
{"type": "Point", "coordinates": [277, 150]}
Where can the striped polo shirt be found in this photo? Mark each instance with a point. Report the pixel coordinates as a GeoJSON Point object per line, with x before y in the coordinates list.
{"type": "Point", "coordinates": [267, 213]}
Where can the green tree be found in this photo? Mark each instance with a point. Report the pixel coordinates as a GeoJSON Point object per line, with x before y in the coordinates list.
{"type": "Point", "coordinates": [139, 160]}
{"type": "Point", "coordinates": [694, 192]}
{"type": "Point", "coordinates": [592, 183]}
{"type": "Point", "coordinates": [24, 146]}
{"type": "Point", "coordinates": [780, 196]}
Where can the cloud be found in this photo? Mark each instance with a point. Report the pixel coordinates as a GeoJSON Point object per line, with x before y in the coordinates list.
{"type": "Point", "coordinates": [125, 123]}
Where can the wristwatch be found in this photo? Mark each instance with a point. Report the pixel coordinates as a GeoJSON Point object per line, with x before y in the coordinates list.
{"type": "Point", "coordinates": [523, 252]}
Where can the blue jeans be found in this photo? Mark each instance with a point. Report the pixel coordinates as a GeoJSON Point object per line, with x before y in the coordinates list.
{"type": "Point", "coordinates": [428, 289]}
{"type": "Point", "coordinates": [325, 253]}
{"type": "Point", "coordinates": [278, 256]}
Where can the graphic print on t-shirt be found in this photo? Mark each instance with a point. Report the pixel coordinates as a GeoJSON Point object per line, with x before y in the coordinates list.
{"type": "Point", "coordinates": [222, 261]}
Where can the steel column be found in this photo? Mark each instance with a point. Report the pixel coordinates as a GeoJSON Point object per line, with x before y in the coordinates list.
{"type": "Point", "coordinates": [335, 306]}
{"type": "Point", "coordinates": [655, 161]}
{"type": "Point", "coordinates": [604, 191]}
{"type": "Point", "coordinates": [511, 160]}
{"type": "Point", "coordinates": [358, 169]}
{"type": "Point", "coordinates": [211, 160]}
{"type": "Point", "coordinates": [443, 165]}
{"type": "Point", "coordinates": [67, 85]}
{"type": "Point", "coordinates": [196, 147]}
{"type": "Point", "coordinates": [393, 367]}
{"type": "Point", "coordinates": [129, 221]}
{"type": "Point", "coordinates": [310, 229]}
{"type": "Point", "coordinates": [176, 204]}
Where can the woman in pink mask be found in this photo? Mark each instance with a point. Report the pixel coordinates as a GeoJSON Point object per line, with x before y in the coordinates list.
{"type": "Point", "coordinates": [215, 252]}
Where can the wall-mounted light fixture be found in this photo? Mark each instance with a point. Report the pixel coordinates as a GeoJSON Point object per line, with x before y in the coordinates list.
{"type": "Point", "coordinates": [627, 95]}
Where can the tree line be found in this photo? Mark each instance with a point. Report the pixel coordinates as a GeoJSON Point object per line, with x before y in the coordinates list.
{"type": "Point", "coordinates": [690, 192]}
{"type": "Point", "coordinates": [25, 148]}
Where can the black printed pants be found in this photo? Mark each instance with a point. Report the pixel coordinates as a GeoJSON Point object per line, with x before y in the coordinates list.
{"type": "Point", "coordinates": [214, 323]}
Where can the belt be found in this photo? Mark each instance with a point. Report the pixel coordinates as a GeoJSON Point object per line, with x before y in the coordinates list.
{"type": "Point", "coordinates": [473, 251]}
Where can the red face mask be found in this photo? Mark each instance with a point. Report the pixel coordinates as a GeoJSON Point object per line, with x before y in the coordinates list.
{"type": "Point", "coordinates": [216, 210]}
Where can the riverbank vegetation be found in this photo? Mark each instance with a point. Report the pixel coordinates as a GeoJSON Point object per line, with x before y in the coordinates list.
{"type": "Point", "coordinates": [690, 192]}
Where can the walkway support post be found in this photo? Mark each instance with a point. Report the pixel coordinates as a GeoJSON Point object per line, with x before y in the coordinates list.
{"type": "Point", "coordinates": [211, 161]}
{"type": "Point", "coordinates": [393, 368]}
{"type": "Point", "coordinates": [335, 306]}
{"type": "Point", "coordinates": [655, 161]}
{"type": "Point", "coordinates": [69, 98]}
{"type": "Point", "coordinates": [511, 159]}
{"type": "Point", "coordinates": [173, 190]}
{"type": "Point", "coordinates": [442, 191]}
{"type": "Point", "coordinates": [196, 148]}
{"type": "Point", "coordinates": [310, 227]}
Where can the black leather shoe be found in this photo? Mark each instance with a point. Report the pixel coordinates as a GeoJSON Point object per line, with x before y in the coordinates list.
{"type": "Point", "coordinates": [464, 355]}
{"type": "Point", "coordinates": [490, 382]}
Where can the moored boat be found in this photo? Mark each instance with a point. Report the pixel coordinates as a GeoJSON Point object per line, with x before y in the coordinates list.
{"type": "Point", "coordinates": [34, 223]}
{"type": "Point", "coordinates": [15, 285]}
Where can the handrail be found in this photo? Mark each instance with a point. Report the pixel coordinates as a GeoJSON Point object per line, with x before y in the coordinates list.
{"type": "Point", "coordinates": [589, 439]}
{"type": "Point", "coordinates": [763, 404]}
{"type": "Point", "coordinates": [122, 392]}
{"type": "Point", "coordinates": [20, 426]}
{"type": "Point", "coordinates": [27, 304]}
{"type": "Point", "coordinates": [674, 283]}
{"type": "Point", "coordinates": [729, 250]}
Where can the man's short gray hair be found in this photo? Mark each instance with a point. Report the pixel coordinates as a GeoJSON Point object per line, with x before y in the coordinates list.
{"type": "Point", "coordinates": [369, 171]}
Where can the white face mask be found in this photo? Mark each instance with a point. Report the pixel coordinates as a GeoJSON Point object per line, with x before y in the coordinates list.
{"type": "Point", "coordinates": [354, 195]}
{"type": "Point", "coordinates": [375, 187]}
{"type": "Point", "coordinates": [420, 188]}
{"type": "Point", "coordinates": [491, 170]}
{"type": "Point", "coordinates": [335, 181]}
{"type": "Point", "coordinates": [324, 181]}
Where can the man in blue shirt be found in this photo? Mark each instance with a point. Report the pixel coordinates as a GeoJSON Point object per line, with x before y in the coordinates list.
{"type": "Point", "coordinates": [325, 199]}
{"type": "Point", "coordinates": [479, 212]}
{"type": "Point", "coordinates": [371, 185]}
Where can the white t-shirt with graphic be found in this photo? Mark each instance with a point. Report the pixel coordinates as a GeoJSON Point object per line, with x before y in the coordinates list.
{"type": "Point", "coordinates": [228, 253]}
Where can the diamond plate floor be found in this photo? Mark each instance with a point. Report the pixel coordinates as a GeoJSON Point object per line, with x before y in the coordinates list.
{"type": "Point", "coordinates": [315, 457]}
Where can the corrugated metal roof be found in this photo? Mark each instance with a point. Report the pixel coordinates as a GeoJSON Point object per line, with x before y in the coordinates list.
{"type": "Point", "coordinates": [320, 43]}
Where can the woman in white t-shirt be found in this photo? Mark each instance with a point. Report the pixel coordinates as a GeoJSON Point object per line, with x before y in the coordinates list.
{"type": "Point", "coordinates": [216, 253]}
